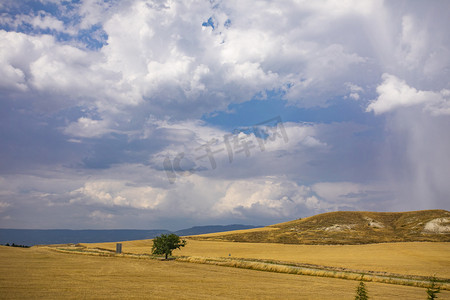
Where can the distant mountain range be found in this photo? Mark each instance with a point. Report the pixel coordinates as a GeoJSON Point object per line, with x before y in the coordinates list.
{"type": "Point", "coordinates": [349, 227]}
{"type": "Point", "coordinates": [31, 237]}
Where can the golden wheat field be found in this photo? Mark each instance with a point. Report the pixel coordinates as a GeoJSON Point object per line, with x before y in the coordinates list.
{"type": "Point", "coordinates": [414, 258]}
{"type": "Point", "coordinates": [40, 273]}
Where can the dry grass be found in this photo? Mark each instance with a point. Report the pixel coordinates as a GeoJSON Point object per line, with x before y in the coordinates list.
{"type": "Point", "coordinates": [342, 227]}
{"type": "Point", "coordinates": [137, 247]}
{"type": "Point", "coordinates": [279, 267]}
{"type": "Point", "coordinates": [38, 273]}
{"type": "Point", "coordinates": [415, 258]}
{"type": "Point", "coordinates": [220, 234]}
{"type": "Point", "coordinates": [270, 266]}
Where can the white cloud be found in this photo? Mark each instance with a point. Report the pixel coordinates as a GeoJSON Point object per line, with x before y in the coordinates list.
{"type": "Point", "coordinates": [14, 60]}
{"type": "Point", "coordinates": [4, 206]}
{"type": "Point", "coordinates": [355, 90]}
{"type": "Point", "coordinates": [118, 193]}
{"type": "Point", "coordinates": [275, 197]}
{"type": "Point", "coordinates": [88, 128]}
{"type": "Point", "coordinates": [13, 78]}
{"type": "Point", "coordinates": [100, 216]}
{"type": "Point", "coordinates": [159, 54]}
{"type": "Point", "coordinates": [41, 20]}
{"type": "Point", "coordinates": [46, 21]}
{"type": "Point", "coordinates": [94, 11]}
{"type": "Point", "coordinates": [395, 93]}
{"type": "Point", "coordinates": [160, 58]}
{"type": "Point", "coordinates": [247, 146]}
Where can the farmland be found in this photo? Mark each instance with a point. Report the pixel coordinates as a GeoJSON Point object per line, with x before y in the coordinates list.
{"type": "Point", "coordinates": [417, 258]}
{"type": "Point", "coordinates": [40, 273]}
{"type": "Point", "coordinates": [250, 264]}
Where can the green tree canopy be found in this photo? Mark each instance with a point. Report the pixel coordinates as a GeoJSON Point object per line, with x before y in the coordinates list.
{"type": "Point", "coordinates": [166, 243]}
{"type": "Point", "coordinates": [433, 289]}
{"type": "Point", "coordinates": [361, 291]}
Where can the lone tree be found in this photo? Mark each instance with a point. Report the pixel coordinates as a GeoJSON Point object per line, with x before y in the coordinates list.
{"type": "Point", "coordinates": [166, 243]}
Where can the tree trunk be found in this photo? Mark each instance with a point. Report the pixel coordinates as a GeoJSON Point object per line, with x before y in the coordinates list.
{"type": "Point", "coordinates": [167, 255]}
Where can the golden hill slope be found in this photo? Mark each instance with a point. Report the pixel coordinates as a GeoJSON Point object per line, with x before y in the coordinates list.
{"type": "Point", "coordinates": [349, 227]}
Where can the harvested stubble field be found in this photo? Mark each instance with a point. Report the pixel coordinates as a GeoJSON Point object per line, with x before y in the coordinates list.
{"type": "Point", "coordinates": [414, 258]}
{"type": "Point", "coordinates": [40, 273]}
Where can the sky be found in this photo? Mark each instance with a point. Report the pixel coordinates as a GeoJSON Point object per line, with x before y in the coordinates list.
{"type": "Point", "coordinates": [148, 114]}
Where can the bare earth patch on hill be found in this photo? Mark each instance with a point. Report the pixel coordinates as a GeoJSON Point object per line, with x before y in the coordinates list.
{"type": "Point", "coordinates": [439, 225]}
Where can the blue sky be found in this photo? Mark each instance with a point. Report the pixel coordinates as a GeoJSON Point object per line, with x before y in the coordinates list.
{"type": "Point", "coordinates": [168, 114]}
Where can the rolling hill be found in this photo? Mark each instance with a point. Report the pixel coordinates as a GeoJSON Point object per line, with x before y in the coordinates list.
{"type": "Point", "coordinates": [212, 229]}
{"type": "Point", "coordinates": [349, 227]}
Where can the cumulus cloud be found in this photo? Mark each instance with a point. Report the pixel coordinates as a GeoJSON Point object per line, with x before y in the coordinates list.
{"type": "Point", "coordinates": [157, 57]}
{"type": "Point", "coordinates": [197, 69]}
{"type": "Point", "coordinates": [87, 128]}
{"type": "Point", "coordinates": [192, 147]}
{"type": "Point", "coordinates": [355, 90]}
{"type": "Point", "coordinates": [40, 21]}
{"type": "Point", "coordinates": [394, 93]}
{"type": "Point", "coordinates": [268, 196]}
{"type": "Point", "coordinates": [60, 74]}
{"type": "Point", "coordinates": [204, 198]}
{"type": "Point", "coordinates": [118, 193]}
